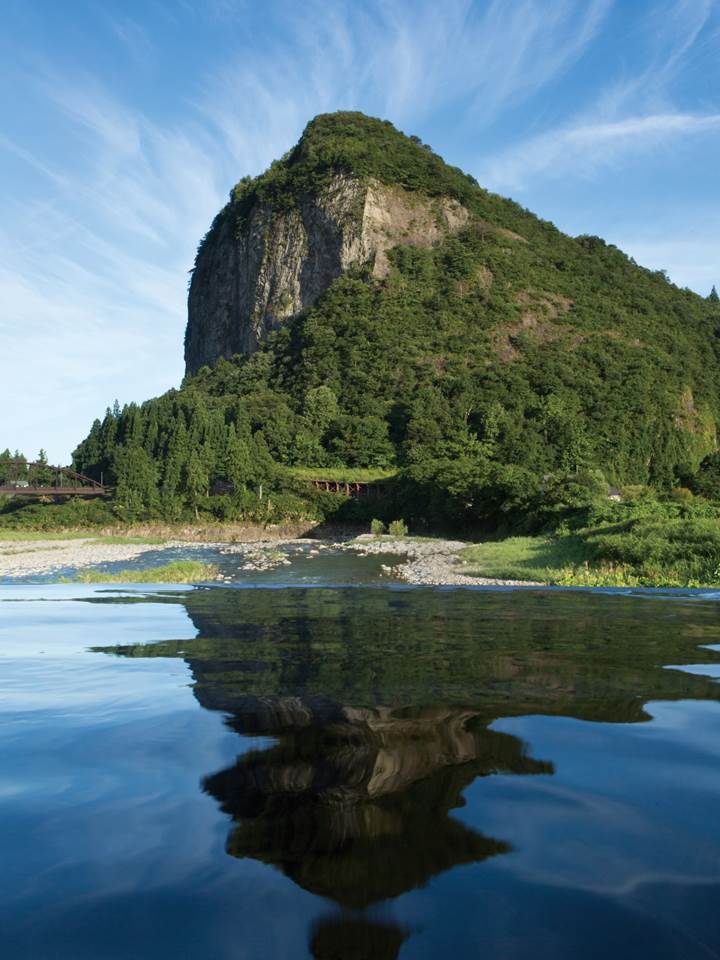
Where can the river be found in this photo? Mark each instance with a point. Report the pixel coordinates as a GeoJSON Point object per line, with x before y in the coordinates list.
{"type": "Point", "coordinates": [330, 766]}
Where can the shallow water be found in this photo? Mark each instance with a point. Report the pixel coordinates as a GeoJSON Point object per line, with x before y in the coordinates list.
{"type": "Point", "coordinates": [311, 563]}
{"type": "Point", "coordinates": [286, 769]}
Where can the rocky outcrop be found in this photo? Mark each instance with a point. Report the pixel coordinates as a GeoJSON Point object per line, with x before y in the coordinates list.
{"type": "Point", "coordinates": [252, 275]}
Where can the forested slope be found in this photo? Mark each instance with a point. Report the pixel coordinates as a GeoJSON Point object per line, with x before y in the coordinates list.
{"type": "Point", "coordinates": [485, 367]}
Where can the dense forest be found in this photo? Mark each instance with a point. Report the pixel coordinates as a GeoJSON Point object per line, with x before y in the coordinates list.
{"type": "Point", "coordinates": [489, 373]}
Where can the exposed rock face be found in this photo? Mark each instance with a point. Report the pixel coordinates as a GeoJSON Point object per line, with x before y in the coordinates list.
{"type": "Point", "coordinates": [249, 279]}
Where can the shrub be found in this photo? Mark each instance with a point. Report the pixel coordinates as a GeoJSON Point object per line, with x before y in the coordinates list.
{"type": "Point", "coordinates": [634, 491]}
{"type": "Point", "coordinates": [707, 480]}
{"type": "Point", "coordinates": [377, 528]}
{"type": "Point", "coordinates": [398, 528]}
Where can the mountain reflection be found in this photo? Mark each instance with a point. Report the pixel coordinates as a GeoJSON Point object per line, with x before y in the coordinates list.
{"type": "Point", "coordinates": [380, 705]}
{"type": "Point", "coordinates": [355, 938]}
{"type": "Point", "coordinates": [354, 804]}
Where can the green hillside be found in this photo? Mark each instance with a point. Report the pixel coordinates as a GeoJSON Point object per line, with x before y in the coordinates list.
{"type": "Point", "coordinates": [485, 371]}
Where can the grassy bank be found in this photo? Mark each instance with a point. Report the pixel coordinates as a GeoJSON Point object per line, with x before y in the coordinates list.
{"type": "Point", "coordinates": [160, 532]}
{"type": "Point", "coordinates": [526, 558]}
{"type": "Point", "coordinates": [341, 474]}
{"type": "Point", "coordinates": [120, 539]}
{"type": "Point", "coordinates": [24, 536]}
{"type": "Point", "coordinates": [647, 553]}
{"type": "Point", "coordinates": [180, 571]}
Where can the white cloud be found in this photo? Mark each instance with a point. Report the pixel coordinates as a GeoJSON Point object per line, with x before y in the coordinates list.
{"type": "Point", "coordinates": [99, 237]}
{"type": "Point", "coordinates": [95, 262]}
{"type": "Point", "coordinates": [581, 150]}
{"type": "Point", "coordinates": [627, 115]}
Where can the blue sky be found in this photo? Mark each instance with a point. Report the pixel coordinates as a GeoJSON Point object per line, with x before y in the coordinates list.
{"type": "Point", "coordinates": [124, 125]}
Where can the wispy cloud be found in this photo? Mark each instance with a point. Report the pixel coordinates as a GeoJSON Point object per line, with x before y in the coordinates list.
{"type": "Point", "coordinates": [584, 149]}
{"type": "Point", "coordinates": [113, 195]}
{"type": "Point", "coordinates": [404, 60]}
{"type": "Point", "coordinates": [133, 36]}
{"type": "Point", "coordinates": [629, 114]}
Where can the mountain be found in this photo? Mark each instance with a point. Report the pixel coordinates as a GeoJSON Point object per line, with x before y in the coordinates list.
{"type": "Point", "coordinates": [362, 304]}
{"type": "Point", "coordinates": [286, 236]}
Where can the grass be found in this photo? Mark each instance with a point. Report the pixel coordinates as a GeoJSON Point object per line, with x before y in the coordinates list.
{"type": "Point", "coordinates": [527, 558]}
{"type": "Point", "coordinates": [669, 554]}
{"type": "Point", "coordinates": [159, 532]}
{"type": "Point", "coordinates": [341, 474]}
{"type": "Point", "coordinates": [15, 536]}
{"type": "Point", "coordinates": [32, 536]}
{"type": "Point", "coordinates": [180, 571]}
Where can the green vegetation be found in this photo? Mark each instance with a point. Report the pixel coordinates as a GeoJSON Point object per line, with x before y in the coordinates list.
{"type": "Point", "coordinates": [341, 474]}
{"type": "Point", "coordinates": [26, 535]}
{"type": "Point", "coordinates": [377, 528]}
{"type": "Point", "coordinates": [398, 528]}
{"type": "Point", "coordinates": [540, 559]}
{"type": "Point", "coordinates": [707, 480]}
{"type": "Point", "coordinates": [641, 542]}
{"type": "Point", "coordinates": [351, 143]}
{"type": "Point", "coordinates": [16, 466]}
{"type": "Point", "coordinates": [498, 382]}
{"type": "Point", "coordinates": [23, 534]}
{"type": "Point", "coordinates": [180, 571]}
{"type": "Point", "coordinates": [485, 373]}
{"type": "Point", "coordinates": [79, 516]}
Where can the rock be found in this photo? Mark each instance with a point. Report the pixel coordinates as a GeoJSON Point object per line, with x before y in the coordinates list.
{"type": "Point", "coordinates": [254, 273]}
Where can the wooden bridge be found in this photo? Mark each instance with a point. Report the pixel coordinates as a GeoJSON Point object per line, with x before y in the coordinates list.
{"type": "Point", "coordinates": [19, 478]}
{"type": "Point", "coordinates": [351, 488]}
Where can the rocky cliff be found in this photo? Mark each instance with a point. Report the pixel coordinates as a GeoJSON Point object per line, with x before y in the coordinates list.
{"type": "Point", "coordinates": [259, 267]}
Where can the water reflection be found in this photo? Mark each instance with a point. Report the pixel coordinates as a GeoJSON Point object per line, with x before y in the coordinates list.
{"type": "Point", "coordinates": [354, 804]}
{"type": "Point", "coordinates": [380, 708]}
{"type": "Point", "coordinates": [355, 938]}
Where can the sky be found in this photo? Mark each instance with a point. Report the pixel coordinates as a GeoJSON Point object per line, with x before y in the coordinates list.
{"type": "Point", "coordinates": [124, 124]}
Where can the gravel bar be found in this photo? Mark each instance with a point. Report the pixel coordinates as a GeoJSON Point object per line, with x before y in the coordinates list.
{"type": "Point", "coordinates": [430, 562]}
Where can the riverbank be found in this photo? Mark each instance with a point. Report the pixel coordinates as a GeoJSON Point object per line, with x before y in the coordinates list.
{"type": "Point", "coordinates": [620, 559]}
{"type": "Point", "coordinates": [24, 558]}
{"type": "Point", "coordinates": [430, 561]}
{"type": "Point", "coordinates": [64, 557]}
{"type": "Point", "coordinates": [159, 532]}
{"type": "Point", "coordinates": [416, 560]}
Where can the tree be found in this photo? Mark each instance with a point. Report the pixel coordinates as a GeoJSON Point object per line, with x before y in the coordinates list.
{"type": "Point", "coordinates": [176, 456]}
{"type": "Point", "coordinates": [363, 442]}
{"type": "Point", "coordinates": [5, 467]}
{"type": "Point", "coordinates": [320, 409]}
{"type": "Point", "coordinates": [88, 455]}
{"type": "Point", "coordinates": [262, 462]}
{"type": "Point", "coordinates": [136, 490]}
{"type": "Point", "coordinates": [40, 475]}
{"type": "Point", "coordinates": [707, 480]}
{"type": "Point", "coordinates": [238, 464]}
{"type": "Point", "coordinates": [196, 481]}
{"type": "Point", "coordinates": [107, 439]}
{"type": "Point", "coordinates": [713, 296]}
{"type": "Point", "coordinates": [18, 468]}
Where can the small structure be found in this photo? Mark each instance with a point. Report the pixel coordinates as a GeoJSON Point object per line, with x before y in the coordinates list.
{"type": "Point", "coordinates": [44, 480]}
{"type": "Point", "coordinates": [351, 488]}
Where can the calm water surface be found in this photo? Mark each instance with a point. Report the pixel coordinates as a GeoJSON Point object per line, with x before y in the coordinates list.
{"type": "Point", "coordinates": [362, 771]}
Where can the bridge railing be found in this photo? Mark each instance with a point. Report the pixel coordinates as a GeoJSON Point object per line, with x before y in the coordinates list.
{"type": "Point", "coordinates": [29, 478]}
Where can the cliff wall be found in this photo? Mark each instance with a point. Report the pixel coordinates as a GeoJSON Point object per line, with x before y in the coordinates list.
{"type": "Point", "coordinates": [253, 274]}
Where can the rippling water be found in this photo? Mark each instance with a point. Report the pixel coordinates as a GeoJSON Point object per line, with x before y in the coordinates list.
{"type": "Point", "coordinates": [358, 772]}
